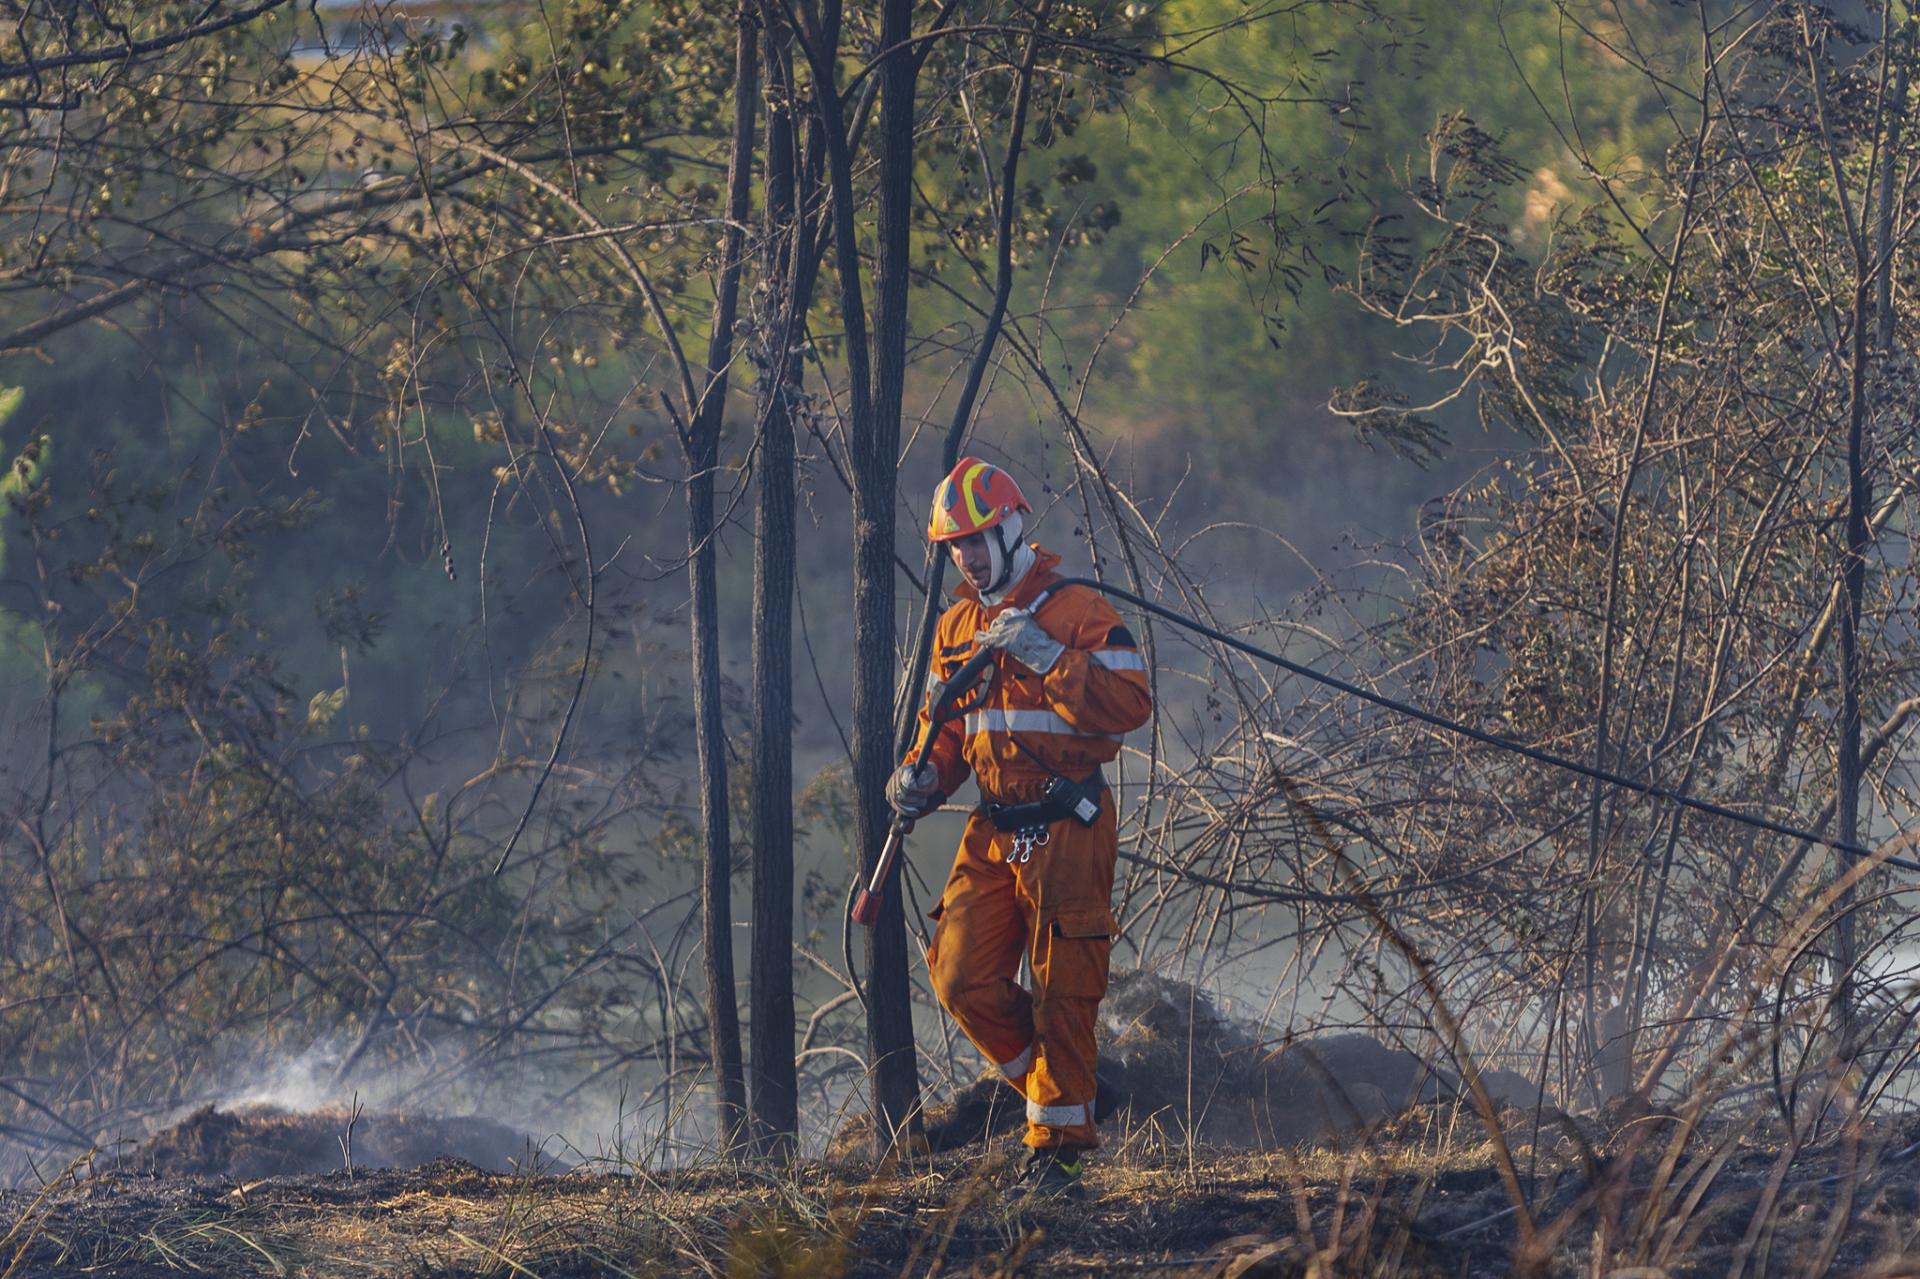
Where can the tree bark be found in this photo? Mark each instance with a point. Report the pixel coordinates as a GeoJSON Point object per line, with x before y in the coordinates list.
{"type": "Point", "coordinates": [716, 899]}
{"type": "Point", "coordinates": [896, 1076]}
{"type": "Point", "coordinates": [1869, 246]}
{"type": "Point", "coordinates": [874, 439]}
{"type": "Point", "coordinates": [703, 453]}
{"type": "Point", "coordinates": [1854, 581]}
{"type": "Point", "coordinates": [774, 1095]}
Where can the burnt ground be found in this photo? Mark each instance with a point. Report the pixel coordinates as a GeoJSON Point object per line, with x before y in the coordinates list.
{"type": "Point", "coordinates": [251, 1142]}
{"type": "Point", "coordinates": [1422, 1194]}
{"type": "Point", "coordinates": [1232, 1155]}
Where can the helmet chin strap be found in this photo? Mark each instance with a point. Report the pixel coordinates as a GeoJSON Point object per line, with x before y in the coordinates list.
{"type": "Point", "coordinates": [1002, 561]}
{"type": "Point", "coordinates": [1003, 551]}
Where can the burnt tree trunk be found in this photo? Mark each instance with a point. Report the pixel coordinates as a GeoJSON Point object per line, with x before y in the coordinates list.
{"type": "Point", "coordinates": [874, 438]}
{"type": "Point", "coordinates": [703, 455]}
{"type": "Point", "coordinates": [774, 1096]}
{"type": "Point", "coordinates": [1854, 582]}
{"type": "Point", "coordinates": [1872, 247]}
{"type": "Point", "coordinates": [716, 899]}
{"type": "Point", "coordinates": [896, 1076]}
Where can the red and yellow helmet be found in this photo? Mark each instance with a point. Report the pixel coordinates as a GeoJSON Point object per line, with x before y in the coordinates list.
{"type": "Point", "coordinates": [974, 497]}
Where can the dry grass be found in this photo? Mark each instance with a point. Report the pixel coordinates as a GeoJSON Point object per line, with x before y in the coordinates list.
{"type": "Point", "coordinates": [1421, 1196]}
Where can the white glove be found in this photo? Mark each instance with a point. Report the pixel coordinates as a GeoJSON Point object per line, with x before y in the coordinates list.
{"type": "Point", "coordinates": [914, 791]}
{"type": "Point", "coordinates": [1020, 635]}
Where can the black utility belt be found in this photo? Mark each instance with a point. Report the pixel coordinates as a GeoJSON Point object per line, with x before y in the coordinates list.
{"type": "Point", "coordinates": [1062, 799]}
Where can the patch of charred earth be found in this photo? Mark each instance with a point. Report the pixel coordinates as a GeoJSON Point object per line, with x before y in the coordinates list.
{"type": "Point", "coordinates": [1165, 1213]}
{"type": "Point", "coordinates": [1423, 1197]}
{"type": "Point", "coordinates": [450, 1219]}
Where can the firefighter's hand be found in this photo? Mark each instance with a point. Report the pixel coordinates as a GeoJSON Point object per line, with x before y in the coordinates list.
{"type": "Point", "coordinates": [1018, 634]}
{"type": "Point", "coordinates": [914, 791]}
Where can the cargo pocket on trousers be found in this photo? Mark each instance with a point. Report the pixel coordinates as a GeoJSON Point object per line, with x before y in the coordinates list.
{"type": "Point", "coordinates": [1079, 943]}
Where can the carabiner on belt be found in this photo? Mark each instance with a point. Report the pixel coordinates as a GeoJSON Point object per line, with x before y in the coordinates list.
{"type": "Point", "coordinates": [1025, 841]}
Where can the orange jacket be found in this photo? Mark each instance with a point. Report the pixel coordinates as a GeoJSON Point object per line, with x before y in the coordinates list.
{"type": "Point", "coordinates": [1072, 719]}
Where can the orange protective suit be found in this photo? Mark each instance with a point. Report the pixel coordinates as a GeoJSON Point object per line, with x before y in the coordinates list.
{"type": "Point", "coordinates": [1055, 906]}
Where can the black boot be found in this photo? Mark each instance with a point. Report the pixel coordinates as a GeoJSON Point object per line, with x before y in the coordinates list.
{"type": "Point", "coordinates": [1052, 1174]}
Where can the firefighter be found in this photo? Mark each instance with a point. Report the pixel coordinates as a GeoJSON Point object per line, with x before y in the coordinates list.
{"type": "Point", "coordinates": [1034, 873]}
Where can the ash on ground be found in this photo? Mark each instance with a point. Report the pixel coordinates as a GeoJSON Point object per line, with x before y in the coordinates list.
{"type": "Point", "coordinates": [250, 1142]}
{"type": "Point", "coordinates": [1169, 1057]}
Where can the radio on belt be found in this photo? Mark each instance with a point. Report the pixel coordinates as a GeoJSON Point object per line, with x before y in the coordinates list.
{"type": "Point", "coordinates": [1084, 797]}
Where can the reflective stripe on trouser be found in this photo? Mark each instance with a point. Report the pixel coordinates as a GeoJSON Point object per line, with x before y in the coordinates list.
{"type": "Point", "coordinates": [1055, 910]}
{"type": "Point", "coordinates": [1059, 1116]}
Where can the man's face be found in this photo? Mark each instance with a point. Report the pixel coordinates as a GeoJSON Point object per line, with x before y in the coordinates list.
{"type": "Point", "coordinates": [972, 556]}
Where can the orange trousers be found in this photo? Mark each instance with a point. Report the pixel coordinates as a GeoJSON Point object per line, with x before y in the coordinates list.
{"type": "Point", "coordinates": [1055, 908]}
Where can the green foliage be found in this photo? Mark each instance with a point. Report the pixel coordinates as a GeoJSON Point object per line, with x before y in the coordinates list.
{"type": "Point", "coordinates": [1262, 192]}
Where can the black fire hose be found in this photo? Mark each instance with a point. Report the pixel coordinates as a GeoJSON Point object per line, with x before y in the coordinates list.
{"type": "Point", "coordinates": [952, 698]}
{"type": "Point", "coordinates": [947, 695]}
{"type": "Point", "coordinates": [1484, 738]}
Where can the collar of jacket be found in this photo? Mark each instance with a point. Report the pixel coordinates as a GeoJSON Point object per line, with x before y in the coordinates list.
{"type": "Point", "coordinates": [1038, 578]}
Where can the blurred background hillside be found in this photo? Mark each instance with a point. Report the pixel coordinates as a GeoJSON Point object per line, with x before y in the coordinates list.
{"type": "Point", "coordinates": [1210, 392]}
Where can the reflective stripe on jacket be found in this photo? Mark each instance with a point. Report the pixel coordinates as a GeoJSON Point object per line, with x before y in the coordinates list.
{"type": "Point", "coordinates": [1072, 719]}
